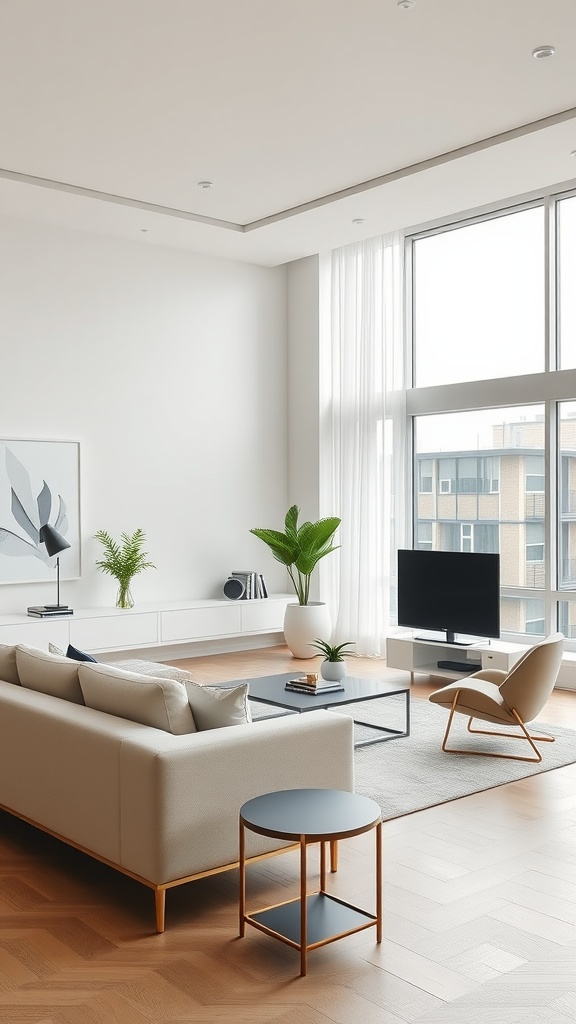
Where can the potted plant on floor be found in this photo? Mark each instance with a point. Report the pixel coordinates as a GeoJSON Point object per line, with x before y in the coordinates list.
{"type": "Point", "coordinates": [123, 560]}
{"type": "Point", "coordinates": [300, 548]}
{"type": "Point", "coordinates": [334, 666]}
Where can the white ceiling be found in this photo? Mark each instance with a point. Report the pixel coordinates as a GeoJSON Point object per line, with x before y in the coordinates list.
{"type": "Point", "coordinates": [113, 110]}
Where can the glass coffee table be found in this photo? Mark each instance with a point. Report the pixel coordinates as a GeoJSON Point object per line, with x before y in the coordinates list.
{"type": "Point", "coordinates": [271, 690]}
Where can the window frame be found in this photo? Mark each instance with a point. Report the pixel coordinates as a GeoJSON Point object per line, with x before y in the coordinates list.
{"type": "Point", "coordinates": [548, 389]}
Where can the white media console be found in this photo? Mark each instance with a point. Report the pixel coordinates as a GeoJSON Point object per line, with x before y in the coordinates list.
{"type": "Point", "coordinates": [225, 624]}
{"type": "Point", "coordinates": [405, 651]}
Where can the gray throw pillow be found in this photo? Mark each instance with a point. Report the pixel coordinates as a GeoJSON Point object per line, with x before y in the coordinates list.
{"type": "Point", "coordinates": [217, 706]}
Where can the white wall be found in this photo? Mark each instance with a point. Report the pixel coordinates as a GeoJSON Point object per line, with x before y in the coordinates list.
{"type": "Point", "coordinates": [170, 369]}
{"type": "Point", "coordinates": [303, 391]}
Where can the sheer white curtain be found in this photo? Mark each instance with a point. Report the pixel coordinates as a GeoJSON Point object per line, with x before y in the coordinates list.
{"type": "Point", "coordinates": [362, 434]}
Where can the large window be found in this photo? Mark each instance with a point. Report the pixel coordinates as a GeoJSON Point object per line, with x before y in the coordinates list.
{"type": "Point", "coordinates": [566, 277]}
{"type": "Point", "coordinates": [567, 502]}
{"type": "Point", "coordinates": [489, 494]}
{"type": "Point", "coordinates": [479, 304]}
{"type": "Point", "coordinates": [494, 322]}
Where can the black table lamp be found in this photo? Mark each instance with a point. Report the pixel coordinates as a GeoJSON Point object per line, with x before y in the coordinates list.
{"type": "Point", "coordinates": [54, 543]}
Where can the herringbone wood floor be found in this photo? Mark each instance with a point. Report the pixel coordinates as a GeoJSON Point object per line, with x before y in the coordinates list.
{"type": "Point", "coordinates": [479, 923]}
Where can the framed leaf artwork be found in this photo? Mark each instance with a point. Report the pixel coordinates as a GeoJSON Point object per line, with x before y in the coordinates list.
{"type": "Point", "coordinates": [39, 485]}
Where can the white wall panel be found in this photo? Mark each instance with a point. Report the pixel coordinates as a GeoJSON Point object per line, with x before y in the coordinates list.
{"type": "Point", "coordinates": [170, 369]}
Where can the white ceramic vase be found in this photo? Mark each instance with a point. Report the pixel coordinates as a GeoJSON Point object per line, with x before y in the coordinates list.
{"type": "Point", "coordinates": [333, 670]}
{"type": "Point", "coordinates": [304, 623]}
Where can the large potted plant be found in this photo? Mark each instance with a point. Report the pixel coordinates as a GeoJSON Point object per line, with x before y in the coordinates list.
{"type": "Point", "coordinates": [300, 548]}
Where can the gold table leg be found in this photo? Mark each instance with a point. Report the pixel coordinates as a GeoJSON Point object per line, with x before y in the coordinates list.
{"type": "Point", "coordinates": [303, 910]}
{"type": "Point", "coordinates": [242, 866]}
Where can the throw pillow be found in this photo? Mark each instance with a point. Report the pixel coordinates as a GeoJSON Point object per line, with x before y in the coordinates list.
{"type": "Point", "coordinates": [8, 670]}
{"type": "Point", "coordinates": [48, 673]}
{"type": "Point", "coordinates": [71, 652]}
{"type": "Point", "coordinates": [154, 668]}
{"type": "Point", "coordinates": [77, 655]}
{"type": "Point", "coordinates": [160, 703]}
{"type": "Point", "coordinates": [217, 706]}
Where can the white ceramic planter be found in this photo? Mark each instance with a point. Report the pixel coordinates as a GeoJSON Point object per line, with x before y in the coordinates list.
{"type": "Point", "coordinates": [333, 670]}
{"type": "Point", "coordinates": [304, 623]}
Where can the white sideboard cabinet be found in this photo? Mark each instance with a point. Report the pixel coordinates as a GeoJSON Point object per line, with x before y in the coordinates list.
{"type": "Point", "coordinates": [181, 623]}
{"type": "Point", "coordinates": [405, 651]}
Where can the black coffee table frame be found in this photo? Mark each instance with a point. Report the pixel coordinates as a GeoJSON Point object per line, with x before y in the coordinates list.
{"type": "Point", "coordinates": [271, 690]}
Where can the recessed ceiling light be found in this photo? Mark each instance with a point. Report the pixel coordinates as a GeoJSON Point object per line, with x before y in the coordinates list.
{"type": "Point", "coordinates": [543, 51]}
{"type": "Point", "coordinates": [358, 220]}
{"type": "Point", "coordinates": [205, 184]}
{"type": "Point", "coordinates": [573, 153]}
{"type": "Point", "coordinates": [406, 4]}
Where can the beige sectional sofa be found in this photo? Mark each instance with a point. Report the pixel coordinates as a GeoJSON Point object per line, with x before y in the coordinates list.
{"type": "Point", "coordinates": [160, 807]}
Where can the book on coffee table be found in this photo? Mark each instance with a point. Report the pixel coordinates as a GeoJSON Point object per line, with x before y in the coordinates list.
{"type": "Point", "coordinates": [320, 686]}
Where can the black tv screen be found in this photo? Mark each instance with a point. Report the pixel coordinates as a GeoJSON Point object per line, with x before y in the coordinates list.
{"type": "Point", "coordinates": [449, 593]}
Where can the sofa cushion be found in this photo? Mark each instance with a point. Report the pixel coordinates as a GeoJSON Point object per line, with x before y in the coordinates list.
{"type": "Point", "coordinates": [160, 703]}
{"type": "Point", "coordinates": [154, 668]}
{"type": "Point", "coordinates": [8, 669]}
{"type": "Point", "coordinates": [217, 706]}
{"type": "Point", "coordinates": [48, 673]}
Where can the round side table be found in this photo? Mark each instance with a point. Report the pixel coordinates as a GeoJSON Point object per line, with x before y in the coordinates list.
{"type": "Point", "coordinates": [307, 816]}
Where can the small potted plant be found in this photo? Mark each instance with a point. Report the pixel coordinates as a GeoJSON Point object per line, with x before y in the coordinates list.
{"type": "Point", "coordinates": [123, 560]}
{"type": "Point", "coordinates": [333, 667]}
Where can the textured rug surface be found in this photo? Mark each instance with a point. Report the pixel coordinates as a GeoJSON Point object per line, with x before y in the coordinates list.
{"type": "Point", "coordinates": [406, 775]}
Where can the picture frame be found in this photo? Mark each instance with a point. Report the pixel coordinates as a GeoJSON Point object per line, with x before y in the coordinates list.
{"type": "Point", "coordinates": [39, 484]}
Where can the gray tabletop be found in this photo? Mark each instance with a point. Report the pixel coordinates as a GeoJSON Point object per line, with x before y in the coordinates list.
{"type": "Point", "coordinates": [290, 813]}
{"type": "Point", "coordinates": [271, 690]}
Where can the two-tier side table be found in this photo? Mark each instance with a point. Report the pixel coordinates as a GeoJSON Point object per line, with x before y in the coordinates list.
{"type": "Point", "coordinates": [307, 816]}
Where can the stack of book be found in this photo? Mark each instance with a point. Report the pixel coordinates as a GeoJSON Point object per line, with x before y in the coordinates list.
{"type": "Point", "coordinates": [253, 583]}
{"type": "Point", "coordinates": [41, 611]}
{"type": "Point", "coordinates": [312, 684]}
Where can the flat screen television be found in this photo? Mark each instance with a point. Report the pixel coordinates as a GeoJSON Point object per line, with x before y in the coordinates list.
{"type": "Point", "coordinates": [453, 595]}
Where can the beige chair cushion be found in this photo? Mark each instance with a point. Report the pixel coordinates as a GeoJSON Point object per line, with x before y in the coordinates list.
{"type": "Point", "coordinates": [8, 670]}
{"type": "Point", "coordinates": [532, 679]}
{"type": "Point", "coordinates": [478, 697]}
{"type": "Point", "coordinates": [216, 706]}
{"type": "Point", "coordinates": [160, 703]}
{"type": "Point", "coordinates": [48, 673]}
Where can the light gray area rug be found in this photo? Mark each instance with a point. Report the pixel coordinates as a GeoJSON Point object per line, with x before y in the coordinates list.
{"type": "Point", "coordinates": [406, 775]}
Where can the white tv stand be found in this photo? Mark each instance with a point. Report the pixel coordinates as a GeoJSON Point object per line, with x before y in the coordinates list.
{"type": "Point", "coordinates": [405, 651]}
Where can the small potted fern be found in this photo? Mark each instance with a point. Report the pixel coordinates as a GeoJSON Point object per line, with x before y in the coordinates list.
{"type": "Point", "coordinates": [123, 559]}
{"type": "Point", "coordinates": [334, 666]}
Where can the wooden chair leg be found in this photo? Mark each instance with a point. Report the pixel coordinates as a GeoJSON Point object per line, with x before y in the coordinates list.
{"type": "Point", "coordinates": [485, 732]}
{"type": "Point", "coordinates": [511, 735]}
{"type": "Point", "coordinates": [452, 710]}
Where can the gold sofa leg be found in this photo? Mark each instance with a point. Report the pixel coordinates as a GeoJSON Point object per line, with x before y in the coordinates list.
{"type": "Point", "coordinates": [160, 906]}
{"type": "Point", "coordinates": [486, 732]}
